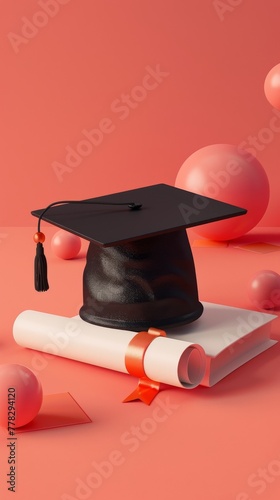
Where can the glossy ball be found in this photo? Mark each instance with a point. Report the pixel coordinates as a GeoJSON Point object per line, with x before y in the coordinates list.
{"type": "Point", "coordinates": [65, 245]}
{"type": "Point", "coordinates": [272, 86]}
{"type": "Point", "coordinates": [21, 395]}
{"type": "Point", "coordinates": [264, 290]}
{"type": "Point", "coordinates": [39, 237]}
{"type": "Point", "coordinates": [229, 174]}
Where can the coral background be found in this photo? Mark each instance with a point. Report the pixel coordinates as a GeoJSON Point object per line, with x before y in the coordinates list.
{"type": "Point", "coordinates": [69, 66]}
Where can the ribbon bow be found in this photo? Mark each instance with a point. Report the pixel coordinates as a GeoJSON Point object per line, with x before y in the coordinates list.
{"type": "Point", "coordinates": [147, 389]}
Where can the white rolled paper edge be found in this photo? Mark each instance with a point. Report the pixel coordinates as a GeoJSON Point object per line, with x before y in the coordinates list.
{"type": "Point", "coordinates": [170, 361]}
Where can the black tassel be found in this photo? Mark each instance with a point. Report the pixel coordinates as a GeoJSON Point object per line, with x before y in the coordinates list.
{"type": "Point", "coordinates": [40, 264]}
{"type": "Point", "coordinates": [40, 270]}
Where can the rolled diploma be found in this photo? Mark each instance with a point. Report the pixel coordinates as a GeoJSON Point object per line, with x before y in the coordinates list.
{"type": "Point", "coordinates": [170, 361]}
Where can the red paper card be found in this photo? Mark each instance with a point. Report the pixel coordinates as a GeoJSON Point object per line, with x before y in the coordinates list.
{"type": "Point", "coordinates": [57, 410]}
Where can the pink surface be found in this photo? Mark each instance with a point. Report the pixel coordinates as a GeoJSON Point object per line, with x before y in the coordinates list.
{"type": "Point", "coordinates": [154, 81]}
{"type": "Point", "coordinates": [204, 444]}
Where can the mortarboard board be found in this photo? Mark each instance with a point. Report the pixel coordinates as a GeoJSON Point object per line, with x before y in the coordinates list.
{"type": "Point", "coordinates": [139, 271]}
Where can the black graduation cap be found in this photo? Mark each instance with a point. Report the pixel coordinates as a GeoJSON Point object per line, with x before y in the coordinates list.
{"type": "Point", "coordinates": [140, 271]}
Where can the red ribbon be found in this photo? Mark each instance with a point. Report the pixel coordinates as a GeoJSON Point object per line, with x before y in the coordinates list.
{"type": "Point", "coordinates": [147, 389]}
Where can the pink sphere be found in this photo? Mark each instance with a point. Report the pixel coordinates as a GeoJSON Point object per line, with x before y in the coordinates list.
{"type": "Point", "coordinates": [232, 175]}
{"type": "Point", "coordinates": [65, 245]}
{"type": "Point", "coordinates": [21, 395]}
{"type": "Point", "coordinates": [264, 290]}
{"type": "Point", "coordinates": [272, 86]}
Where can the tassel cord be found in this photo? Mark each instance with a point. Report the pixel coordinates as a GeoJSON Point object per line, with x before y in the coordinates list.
{"type": "Point", "coordinates": [131, 205]}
